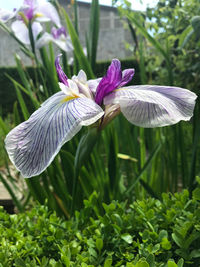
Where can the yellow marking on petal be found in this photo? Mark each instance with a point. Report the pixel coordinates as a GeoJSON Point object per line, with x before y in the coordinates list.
{"type": "Point", "coordinates": [119, 89]}
{"type": "Point", "coordinates": [38, 15]}
{"type": "Point", "coordinates": [70, 97]}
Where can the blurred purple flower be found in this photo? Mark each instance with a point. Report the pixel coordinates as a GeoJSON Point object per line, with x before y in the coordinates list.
{"type": "Point", "coordinates": [6, 15]}
{"type": "Point", "coordinates": [57, 36]}
{"type": "Point", "coordinates": [33, 144]}
{"type": "Point", "coordinates": [34, 11]}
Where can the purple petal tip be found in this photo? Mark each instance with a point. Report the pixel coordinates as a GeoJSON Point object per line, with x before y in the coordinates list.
{"type": "Point", "coordinates": [62, 76]}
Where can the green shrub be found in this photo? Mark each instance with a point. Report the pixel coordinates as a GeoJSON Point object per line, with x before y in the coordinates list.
{"type": "Point", "coordinates": [147, 233]}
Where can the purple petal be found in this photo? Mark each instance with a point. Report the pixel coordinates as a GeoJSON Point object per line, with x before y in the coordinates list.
{"type": "Point", "coordinates": [127, 76]}
{"type": "Point", "coordinates": [33, 144]}
{"type": "Point", "coordinates": [110, 81]}
{"type": "Point", "coordinates": [28, 8]}
{"type": "Point", "coordinates": [153, 106]}
{"type": "Point", "coordinates": [56, 33]}
{"type": "Point", "coordinates": [62, 76]}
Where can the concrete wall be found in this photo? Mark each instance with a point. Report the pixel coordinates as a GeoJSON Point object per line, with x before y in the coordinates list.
{"type": "Point", "coordinates": [112, 35]}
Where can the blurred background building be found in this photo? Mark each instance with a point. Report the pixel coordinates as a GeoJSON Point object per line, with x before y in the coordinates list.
{"type": "Point", "coordinates": [112, 35]}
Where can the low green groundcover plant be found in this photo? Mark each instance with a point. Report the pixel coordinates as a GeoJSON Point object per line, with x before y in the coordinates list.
{"type": "Point", "coordinates": [146, 233]}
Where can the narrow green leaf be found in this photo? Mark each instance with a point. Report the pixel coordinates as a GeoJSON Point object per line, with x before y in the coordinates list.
{"type": "Point", "coordinates": [23, 89]}
{"type": "Point", "coordinates": [113, 170]}
{"type": "Point", "coordinates": [147, 164]}
{"type": "Point", "coordinates": [182, 39]}
{"type": "Point", "coordinates": [22, 104]}
{"type": "Point", "coordinates": [145, 33]}
{"type": "Point", "coordinates": [94, 31]}
{"type": "Point", "coordinates": [85, 148]}
{"type": "Point", "coordinates": [76, 16]}
{"type": "Point", "coordinates": [22, 73]}
{"type": "Point", "coordinates": [12, 194]}
{"type": "Point", "coordinates": [82, 59]}
{"type": "Point", "coordinates": [16, 114]}
{"type": "Point", "coordinates": [3, 126]}
{"type": "Point", "coordinates": [37, 191]}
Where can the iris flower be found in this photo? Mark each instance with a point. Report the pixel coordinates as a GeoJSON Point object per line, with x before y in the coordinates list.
{"type": "Point", "coordinates": [57, 36]}
{"type": "Point", "coordinates": [6, 15]}
{"type": "Point", "coordinates": [33, 144]}
{"type": "Point", "coordinates": [34, 11]}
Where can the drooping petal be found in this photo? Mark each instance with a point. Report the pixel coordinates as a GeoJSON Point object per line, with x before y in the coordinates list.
{"type": "Point", "coordinates": [33, 144]}
{"type": "Point", "coordinates": [43, 40]}
{"type": "Point", "coordinates": [110, 81]}
{"type": "Point", "coordinates": [93, 84]}
{"type": "Point", "coordinates": [64, 43]}
{"type": "Point", "coordinates": [152, 105]}
{"type": "Point", "coordinates": [6, 15]}
{"type": "Point", "coordinates": [36, 29]}
{"type": "Point", "coordinates": [48, 11]}
{"type": "Point", "coordinates": [81, 81]}
{"type": "Point", "coordinates": [62, 76]}
{"type": "Point", "coordinates": [127, 76]}
{"type": "Point", "coordinates": [21, 31]}
{"type": "Point", "coordinates": [56, 33]}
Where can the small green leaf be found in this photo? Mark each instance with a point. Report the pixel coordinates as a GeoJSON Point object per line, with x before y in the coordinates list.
{"type": "Point", "coordinates": [142, 263]}
{"type": "Point", "coordinates": [20, 263]}
{"type": "Point", "coordinates": [196, 193]}
{"type": "Point", "coordinates": [171, 263]}
{"type": "Point", "coordinates": [127, 238]}
{"type": "Point", "coordinates": [99, 244]}
{"type": "Point", "coordinates": [108, 262]}
{"type": "Point", "coordinates": [165, 244]}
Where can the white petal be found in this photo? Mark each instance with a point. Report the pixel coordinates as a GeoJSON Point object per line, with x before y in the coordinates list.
{"type": "Point", "coordinates": [153, 106]}
{"type": "Point", "coordinates": [6, 15]}
{"type": "Point", "coordinates": [93, 84]}
{"type": "Point", "coordinates": [82, 77]}
{"type": "Point", "coordinates": [64, 43]}
{"type": "Point", "coordinates": [21, 31]}
{"type": "Point", "coordinates": [33, 144]}
{"type": "Point", "coordinates": [48, 11]}
{"type": "Point", "coordinates": [43, 40]}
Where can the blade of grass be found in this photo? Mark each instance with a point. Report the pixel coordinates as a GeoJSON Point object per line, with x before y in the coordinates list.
{"type": "Point", "coordinates": [146, 165]}
{"type": "Point", "coordinates": [78, 50]}
{"type": "Point", "coordinates": [12, 194]}
{"type": "Point", "coordinates": [153, 41]}
{"type": "Point", "coordinates": [94, 31]}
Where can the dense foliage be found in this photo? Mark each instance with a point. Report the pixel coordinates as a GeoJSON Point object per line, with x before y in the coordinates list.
{"type": "Point", "coordinates": [149, 233]}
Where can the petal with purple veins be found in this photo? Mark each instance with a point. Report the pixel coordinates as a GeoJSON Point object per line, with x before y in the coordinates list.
{"type": "Point", "coordinates": [153, 106]}
{"type": "Point", "coordinates": [33, 144]}
{"type": "Point", "coordinates": [127, 76]}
